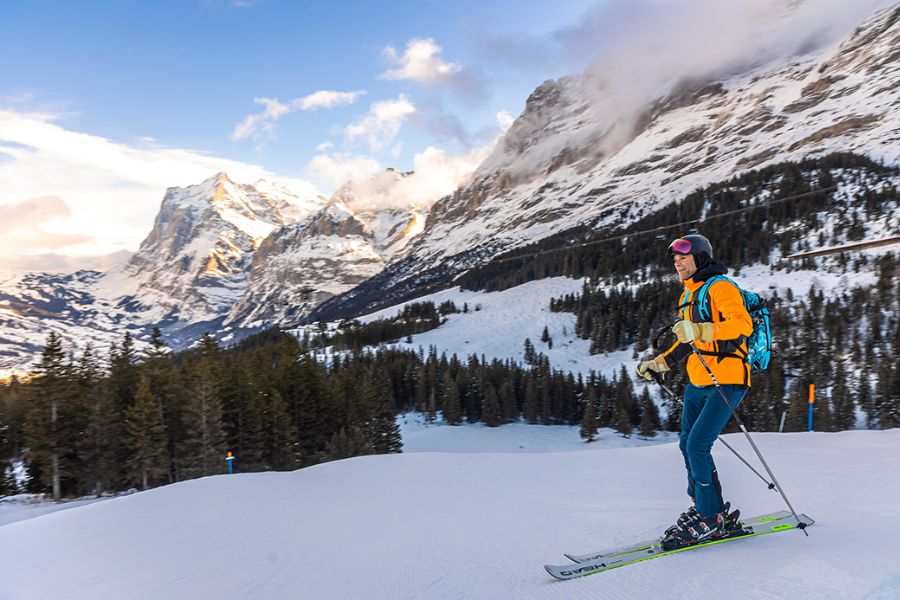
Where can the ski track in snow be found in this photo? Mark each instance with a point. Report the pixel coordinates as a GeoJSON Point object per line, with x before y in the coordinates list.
{"type": "Point", "coordinates": [450, 525]}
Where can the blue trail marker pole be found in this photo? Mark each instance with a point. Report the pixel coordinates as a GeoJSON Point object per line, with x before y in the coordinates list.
{"type": "Point", "coordinates": [230, 459]}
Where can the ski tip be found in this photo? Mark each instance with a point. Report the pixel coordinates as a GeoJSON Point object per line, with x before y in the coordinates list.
{"type": "Point", "coordinates": [571, 557]}
{"type": "Point", "coordinates": [552, 572]}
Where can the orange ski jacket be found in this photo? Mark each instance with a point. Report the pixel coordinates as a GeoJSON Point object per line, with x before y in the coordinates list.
{"type": "Point", "coordinates": [731, 327]}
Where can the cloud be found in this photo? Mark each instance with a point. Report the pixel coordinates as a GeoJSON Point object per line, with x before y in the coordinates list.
{"type": "Point", "coordinates": [633, 52]}
{"type": "Point", "coordinates": [28, 241]}
{"type": "Point", "coordinates": [326, 99]}
{"type": "Point", "coordinates": [104, 193]}
{"type": "Point", "coordinates": [642, 39]}
{"type": "Point", "coordinates": [372, 187]}
{"type": "Point", "coordinates": [420, 62]}
{"type": "Point", "coordinates": [432, 119]}
{"type": "Point", "coordinates": [380, 126]}
{"type": "Point", "coordinates": [331, 171]}
{"type": "Point", "coordinates": [53, 262]}
{"type": "Point", "coordinates": [505, 120]}
{"type": "Point", "coordinates": [435, 174]}
{"type": "Point", "coordinates": [261, 126]}
{"type": "Point", "coordinates": [24, 225]}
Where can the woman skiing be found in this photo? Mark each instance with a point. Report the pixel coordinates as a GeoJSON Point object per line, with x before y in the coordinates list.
{"type": "Point", "coordinates": [721, 340]}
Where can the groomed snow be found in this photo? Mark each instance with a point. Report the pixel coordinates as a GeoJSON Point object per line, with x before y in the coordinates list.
{"type": "Point", "coordinates": [441, 525]}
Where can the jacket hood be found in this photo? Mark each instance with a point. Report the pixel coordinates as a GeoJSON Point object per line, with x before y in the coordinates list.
{"type": "Point", "coordinates": [712, 268]}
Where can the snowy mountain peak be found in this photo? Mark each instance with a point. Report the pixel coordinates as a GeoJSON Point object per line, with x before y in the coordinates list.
{"type": "Point", "coordinates": [363, 226]}
{"type": "Point", "coordinates": [195, 262]}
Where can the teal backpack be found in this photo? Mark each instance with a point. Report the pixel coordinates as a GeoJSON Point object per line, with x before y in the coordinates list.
{"type": "Point", "coordinates": [759, 343]}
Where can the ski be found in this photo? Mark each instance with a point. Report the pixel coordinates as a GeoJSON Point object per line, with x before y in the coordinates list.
{"type": "Point", "coordinates": [565, 572]}
{"type": "Point", "coordinates": [647, 544]}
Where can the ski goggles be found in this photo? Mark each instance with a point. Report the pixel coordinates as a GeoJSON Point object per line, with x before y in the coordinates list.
{"type": "Point", "coordinates": [680, 246]}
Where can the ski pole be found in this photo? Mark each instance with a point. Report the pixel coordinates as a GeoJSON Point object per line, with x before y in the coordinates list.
{"type": "Point", "coordinates": [769, 484]}
{"type": "Point", "coordinates": [800, 524]}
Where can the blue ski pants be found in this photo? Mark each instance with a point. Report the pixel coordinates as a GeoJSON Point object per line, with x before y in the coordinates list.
{"type": "Point", "coordinates": [705, 415]}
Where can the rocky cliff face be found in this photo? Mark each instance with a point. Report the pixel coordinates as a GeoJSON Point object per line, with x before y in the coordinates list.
{"type": "Point", "coordinates": [186, 276]}
{"type": "Point", "coordinates": [195, 262]}
{"type": "Point", "coordinates": [350, 240]}
{"type": "Point", "coordinates": [567, 160]}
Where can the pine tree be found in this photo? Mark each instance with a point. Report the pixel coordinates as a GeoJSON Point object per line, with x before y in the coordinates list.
{"type": "Point", "coordinates": [379, 415]}
{"type": "Point", "coordinates": [490, 411]}
{"type": "Point", "coordinates": [622, 418]}
{"type": "Point", "coordinates": [204, 446]}
{"type": "Point", "coordinates": [530, 352]}
{"type": "Point", "coordinates": [844, 413]}
{"type": "Point", "coordinates": [14, 409]}
{"type": "Point", "coordinates": [101, 469]}
{"type": "Point", "coordinates": [589, 419]}
{"type": "Point", "coordinates": [347, 443]}
{"type": "Point", "coordinates": [7, 482]}
{"type": "Point", "coordinates": [452, 408]}
{"type": "Point", "coordinates": [145, 437]}
{"type": "Point", "coordinates": [530, 406]}
{"type": "Point", "coordinates": [163, 377]}
{"type": "Point", "coordinates": [649, 415]}
{"type": "Point", "coordinates": [281, 436]}
{"type": "Point", "coordinates": [49, 437]}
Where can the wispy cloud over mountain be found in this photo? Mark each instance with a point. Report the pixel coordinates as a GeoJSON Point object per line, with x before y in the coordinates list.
{"type": "Point", "coordinates": [261, 126]}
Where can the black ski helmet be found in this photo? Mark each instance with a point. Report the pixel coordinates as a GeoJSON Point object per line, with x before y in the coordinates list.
{"type": "Point", "coordinates": [694, 244]}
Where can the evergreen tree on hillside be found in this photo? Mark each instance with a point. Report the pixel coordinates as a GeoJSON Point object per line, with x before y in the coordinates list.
{"type": "Point", "coordinates": [145, 437]}
{"type": "Point", "coordinates": [844, 409]}
{"type": "Point", "coordinates": [649, 422]}
{"type": "Point", "coordinates": [97, 446]}
{"type": "Point", "coordinates": [490, 410]}
{"type": "Point", "coordinates": [347, 443]}
{"type": "Point", "coordinates": [530, 406]}
{"type": "Point", "coordinates": [163, 377]}
{"type": "Point", "coordinates": [50, 437]}
{"type": "Point", "coordinates": [589, 420]}
{"type": "Point", "coordinates": [14, 408]}
{"type": "Point", "coordinates": [378, 414]}
{"type": "Point", "coordinates": [204, 444]}
{"type": "Point", "coordinates": [452, 409]}
{"type": "Point", "coordinates": [7, 482]}
{"type": "Point", "coordinates": [622, 418]}
{"type": "Point", "coordinates": [282, 448]}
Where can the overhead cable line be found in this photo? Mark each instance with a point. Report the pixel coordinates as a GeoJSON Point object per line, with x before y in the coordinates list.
{"type": "Point", "coordinates": [665, 227]}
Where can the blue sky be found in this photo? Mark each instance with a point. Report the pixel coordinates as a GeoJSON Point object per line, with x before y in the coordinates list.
{"type": "Point", "coordinates": [105, 104]}
{"type": "Point", "coordinates": [185, 74]}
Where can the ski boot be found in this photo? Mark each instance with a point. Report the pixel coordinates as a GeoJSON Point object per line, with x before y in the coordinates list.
{"type": "Point", "coordinates": [705, 529]}
{"type": "Point", "coordinates": [686, 517]}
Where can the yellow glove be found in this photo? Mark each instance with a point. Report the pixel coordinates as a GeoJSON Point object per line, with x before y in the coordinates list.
{"type": "Point", "coordinates": [657, 365]}
{"type": "Point", "coordinates": [688, 331]}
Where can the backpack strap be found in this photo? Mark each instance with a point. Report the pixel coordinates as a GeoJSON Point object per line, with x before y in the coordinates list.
{"type": "Point", "coordinates": [703, 302]}
{"type": "Point", "coordinates": [683, 303]}
{"type": "Point", "coordinates": [703, 311]}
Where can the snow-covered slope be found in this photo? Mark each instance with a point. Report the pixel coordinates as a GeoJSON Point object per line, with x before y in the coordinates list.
{"type": "Point", "coordinates": [556, 167]}
{"type": "Point", "coordinates": [443, 525]}
{"type": "Point", "coordinates": [572, 155]}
